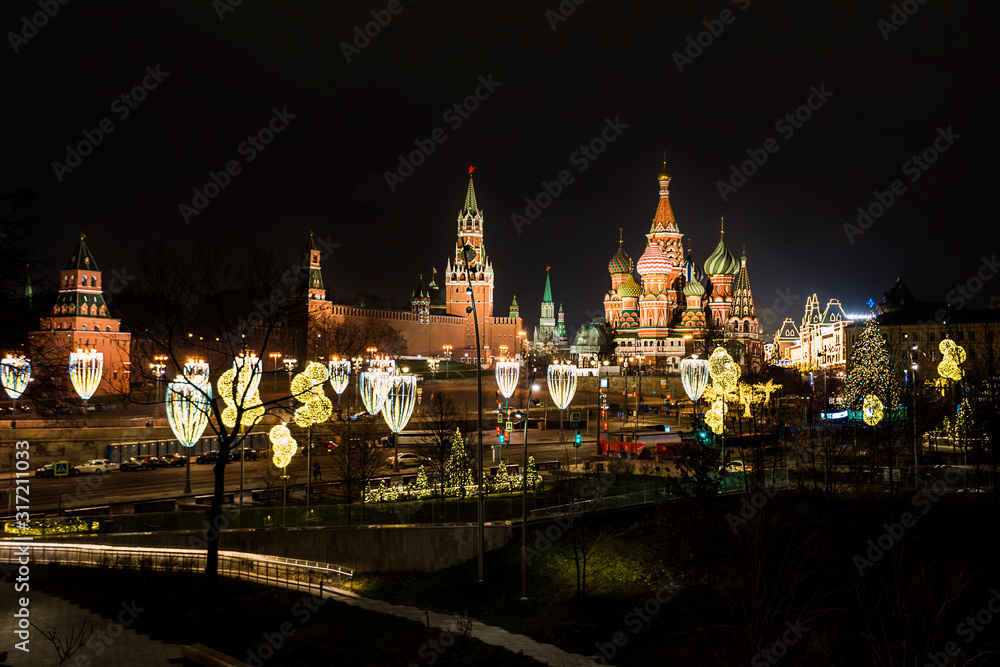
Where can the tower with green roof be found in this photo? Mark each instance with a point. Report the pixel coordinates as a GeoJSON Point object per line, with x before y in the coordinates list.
{"type": "Point", "coordinates": [546, 330]}
{"type": "Point", "coordinates": [743, 321]}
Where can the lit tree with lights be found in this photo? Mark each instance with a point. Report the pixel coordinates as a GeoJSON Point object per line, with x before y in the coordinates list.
{"type": "Point", "coordinates": [503, 481]}
{"type": "Point", "coordinates": [457, 468]}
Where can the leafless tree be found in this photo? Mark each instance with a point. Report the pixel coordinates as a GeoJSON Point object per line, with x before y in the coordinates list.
{"type": "Point", "coordinates": [357, 458]}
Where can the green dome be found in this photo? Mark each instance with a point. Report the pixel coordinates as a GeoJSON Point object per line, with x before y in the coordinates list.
{"type": "Point", "coordinates": [721, 261]}
{"type": "Point", "coordinates": [694, 288]}
{"type": "Point", "coordinates": [630, 289]}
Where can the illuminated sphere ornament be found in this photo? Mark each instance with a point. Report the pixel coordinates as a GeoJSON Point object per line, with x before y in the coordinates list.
{"type": "Point", "coordinates": [694, 377]}
{"type": "Point", "coordinates": [307, 387]}
{"type": "Point", "coordinates": [340, 374]}
{"type": "Point", "coordinates": [283, 445]}
{"type": "Point", "coordinates": [871, 410]}
{"type": "Point", "coordinates": [374, 387]}
{"type": "Point", "coordinates": [507, 373]}
{"type": "Point", "coordinates": [399, 401]}
{"type": "Point", "coordinates": [714, 417]}
{"type": "Point", "coordinates": [952, 356]}
{"type": "Point", "coordinates": [15, 374]}
{"type": "Point", "coordinates": [725, 375]}
{"type": "Point", "coordinates": [188, 404]}
{"type": "Point", "coordinates": [85, 371]}
{"type": "Point", "coordinates": [239, 388]}
{"type": "Point", "coordinates": [562, 383]}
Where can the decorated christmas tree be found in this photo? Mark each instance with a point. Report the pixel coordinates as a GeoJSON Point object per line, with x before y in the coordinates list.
{"type": "Point", "coordinates": [502, 481]}
{"type": "Point", "coordinates": [457, 471]}
{"type": "Point", "coordinates": [421, 488]}
{"type": "Point", "coordinates": [871, 371]}
{"type": "Point", "coordinates": [532, 472]}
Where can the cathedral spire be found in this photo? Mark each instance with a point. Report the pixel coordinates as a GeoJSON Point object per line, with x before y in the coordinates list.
{"type": "Point", "coordinates": [547, 295]}
{"type": "Point", "coordinates": [470, 198]}
{"type": "Point", "coordinates": [663, 219]}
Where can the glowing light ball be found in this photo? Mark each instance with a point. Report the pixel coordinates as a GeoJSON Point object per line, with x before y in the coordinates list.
{"type": "Point", "coordinates": [694, 377]}
{"type": "Point", "coordinates": [307, 387]}
{"type": "Point", "coordinates": [507, 373]}
{"type": "Point", "coordinates": [85, 370]}
{"type": "Point", "coordinates": [239, 388]}
{"type": "Point", "coordinates": [562, 383]}
{"type": "Point", "coordinates": [15, 374]}
{"type": "Point", "coordinates": [283, 445]}
{"type": "Point", "coordinates": [398, 406]}
{"type": "Point", "coordinates": [871, 410]}
{"type": "Point", "coordinates": [374, 388]}
{"type": "Point", "coordinates": [714, 417]}
{"type": "Point", "coordinates": [340, 374]}
{"type": "Point", "coordinates": [188, 406]}
{"type": "Point", "coordinates": [725, 375]}
{"type": "Point", "coordinates": [952, 356]}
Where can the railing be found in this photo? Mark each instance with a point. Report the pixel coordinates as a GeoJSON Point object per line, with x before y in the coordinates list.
{"type": "Point", "coordinates": [273, 570]}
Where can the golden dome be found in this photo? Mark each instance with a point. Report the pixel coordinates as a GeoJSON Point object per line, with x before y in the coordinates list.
{"type": "Point", "coordinates": [664, 175]}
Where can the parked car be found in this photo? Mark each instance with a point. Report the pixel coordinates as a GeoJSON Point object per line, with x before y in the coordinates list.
{"type": "Point", "coordinates": [49, 470]}
{"type": "Point", "coordinates": [408, 460]}
{"type": "Point", "coordinates": [138, 463]}
{"type": "Point", "coordinates": [208, 457]}
{"type": "Point", "coordinates": [159, 461]}
{"type": "Point", "coordinates": [735, 466]}
{"type": "Point", "coordinates": [175, 460]}
{"type": "Point", "coordinates": [62, 410]}
{"type": "Point", "coordinates": [95, 466]}
{"type": "Point", "coordinates": [250, 454]}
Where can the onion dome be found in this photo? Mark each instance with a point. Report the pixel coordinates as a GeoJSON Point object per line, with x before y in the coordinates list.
{"type": "Point", "coordinates": [721, 261]}
{"type": "Point", "coordinates": [630, 289]}
{"type": "Point", "coordinates": [664, 175]}
{"type": "Point", "coordinates": [654, 260]}
{"type": "Point", "coordinates": [621, 262]}
{"type": "Point", "coordinates": [694, 288]}
{"type": "Point", "coordinates": [692, 272]}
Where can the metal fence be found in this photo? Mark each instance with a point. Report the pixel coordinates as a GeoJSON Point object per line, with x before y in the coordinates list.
{"type": "Point", "coordinates": [271, 570]}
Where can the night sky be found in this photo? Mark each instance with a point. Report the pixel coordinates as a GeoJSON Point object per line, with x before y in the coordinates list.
{"type": "Point", "coordinates": [554, 91]}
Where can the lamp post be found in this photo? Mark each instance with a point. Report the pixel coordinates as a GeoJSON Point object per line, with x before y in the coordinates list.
{"type": "Point", "coordinates": [447, 362]}
{"type": "Point", "coordinates": [290, 364]}
{"type": "Point", "coordinates": [15, 374]}
{"type": "Point", "coordinates": [239, 387]}
{"type": "Point", "coordinates": [524, 488]}
{"type": "Point", "coordinates": [562, 379]}
{"type": "Point", "coordinates": [159, 367]}
{"type": "Point", "coordinates": [433, 364]}
{"type": "Point", "coordinates": [469, 254]}
{"type": "Point", "coordinates": [85, 370]}
{"type": "Point", "coordinates": [317, 408]}
{"type": "Point", "coordinates": [283, 448]}
{"type": "Point", "coordinates": [274, 358]}
{"type": "Point", "coordinates": [397, 408]}
{"type": "Point", "coordinates": [507, 373]}
{"type": "Point", "coordinates": [188, 401]}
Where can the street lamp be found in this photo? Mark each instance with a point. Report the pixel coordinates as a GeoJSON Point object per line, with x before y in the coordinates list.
{"type": "Point", "coordinates": [374, 386]}
{"type": "Point", "coordinates": [85, 370]}
{"type": "Point", "coordinates": [447, 364]}
{"type": "Point", "coordinates": [188, 401]}
{"type": "Point", "coordinates": [15, 374]}
{"type": "Point", "coordinates": [694, 377]}
{"type": "Point", "coordinates": [159, 367]}
{"type": "Point", "coordinates": [398, 407]}
{"type": "Point", "coordinates": [239, 387]}
{"type": "Point", "coordinates": [340, 375]}
{"type": "Point", "coordinates": [307, 386]}
{"type": "Point", "coordinates": [290, 364]}
{"type": "Point", "coordinates": [283, 448]}
{"type": "Point", "coordinates": [433, 364]}
{"type": "Point", "coordinates": [274, 357]}
{"type": "Point", "coordinates": [562, 380]}
{"type": "Point", "coordinates": [507, 373]}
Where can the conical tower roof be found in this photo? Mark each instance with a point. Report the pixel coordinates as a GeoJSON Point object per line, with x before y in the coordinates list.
{"type": "Point", "coordinates": [470, 208]}
{"type": "Point", "coordinates": [82, 259]}
{"type": "Point", "coordinates": [742, 297]}
{"type": "Point", "coordinates": [663, 219]}
{"type": "Point", "coordinates": [547, 295]}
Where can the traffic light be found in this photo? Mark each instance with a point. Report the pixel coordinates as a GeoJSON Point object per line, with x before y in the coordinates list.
{"type": "Point", "coordinates": [501, 438]}
{"type": "Point", "coordinates": [579, 440]}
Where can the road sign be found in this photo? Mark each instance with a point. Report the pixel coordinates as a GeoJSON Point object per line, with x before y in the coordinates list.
{"type": "Point", "coordinates": [510, 427]}
{"type": "Point", "coordinates": [61, 469]}
{"type": "Point", "coordinates": [663, 383]}
{"type": "Point", "coordinates": [574, 416]}
{"type": "Point", "coordinates": [420, 390]}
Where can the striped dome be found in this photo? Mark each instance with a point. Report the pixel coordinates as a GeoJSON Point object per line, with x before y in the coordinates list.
{"type": "Point", "coordinates": [692, 272]}
{"type": "Point", "coordinates": [694, 288]}
{"type": "Point", "coordinates": [721, 261]}
{"type": "Point", "coordinates": [621, 262]}
{"type": "Point", "coordinates": [630, 289]}
{"type": "Point", "coordinates": [654, 260]}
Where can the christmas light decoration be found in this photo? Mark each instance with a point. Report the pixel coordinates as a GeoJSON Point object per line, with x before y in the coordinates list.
{"type": "Point", "coordinates": [694, 376]}
{"type": "Point", "coordinates": [340, 374]}
{"type": "Point", "coordinates": [503, 480]}
{"type": "Point", "coordinates": [399, 402]}
{"type": "Point", "coordinates": [307, 387]}
{"type": "Point", "coordinates": [383, 365]}
{"type": "Point", "coordinates": [507, 373]}
{"type": "Point", "coordinates": [374, 387]}
{"type": "Point", "coordinates": [15, 374]}
{"type": "Point", "coordinates": [457, 470]}
{"type": "Point", "coordinates": [197, 371]}
{"type": "Point", "coordinates": [283, 445]}
{"type": "Point", "coordinates": [562, 383]}
{"type": "Point", "coordinates": [239, 388]}
{"type": "Point", "coordinates": [871, 408]}
{"type": "Point", "coordinates": [871, 370]}
{"type": "Point", "coordinates": [755, 394]}
{"type": "Point", "coordinates": [188, 405]}
{"type": "Point", "coordinates": [952, 356]}
{"type": "Point", "coordinates": [725, 375]}
{"type": "Point", "coordinates": [85, 371]}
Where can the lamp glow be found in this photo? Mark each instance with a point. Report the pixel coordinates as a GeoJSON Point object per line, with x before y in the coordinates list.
{"type": "Point", "coordinates": [399, 401]}
{"type": "Point", "coordinates": [283, 445]}
{"type": "Point", "coordinates": [507, 373]}
{"type": "Point", "coordinates": [340, 374]}
{"type": "Point", "coordinates": [239, 387]}
{"type": "Point", "coordinates": [562, 383]}
{"type": "Point", "coordinates": [188, 404]}
{"type": "Point", "coordinates": [15, 374]}
{"type": "Point", "coordinates": [307, 387]}
{"type": "Point", "coordinates": [85, 371]}
{"type": "Point", "coordinates": [694, 376]}
{"type": "Point", "coordinates": [725, 375]}
{"type": "Point", "coordinates": [198, 373]}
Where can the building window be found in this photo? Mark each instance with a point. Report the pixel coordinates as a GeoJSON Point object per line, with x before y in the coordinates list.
{"type": "Point", "coordinates": [107, 328]}
{"type": "Point", "coordinates": [83, 281]}
{"type": "Point", "coordinates": [83, 328]}
{"type": "Point", "coordinates": [930, 337]}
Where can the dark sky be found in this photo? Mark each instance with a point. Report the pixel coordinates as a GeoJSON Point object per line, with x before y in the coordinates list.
{"type": "Point", "coordinates": [325, 171]}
